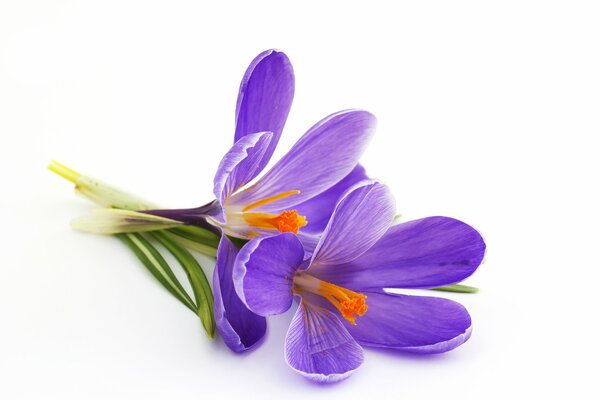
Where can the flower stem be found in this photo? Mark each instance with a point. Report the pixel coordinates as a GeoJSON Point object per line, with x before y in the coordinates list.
{"type": "Point", "coordinates": [198, 238]}
{"type": "Point", "coordinates": [64, 171]}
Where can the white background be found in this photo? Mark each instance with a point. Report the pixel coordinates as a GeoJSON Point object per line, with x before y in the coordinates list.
{"type": "Point", "coordinates": [488, 112]}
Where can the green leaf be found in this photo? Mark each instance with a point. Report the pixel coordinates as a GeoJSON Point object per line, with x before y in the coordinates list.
{"type": "Point", "coordinates": [457, 289]}
{"type": "Point", "coordinates": [158, 267]}
{"type": "Point", "coordinates": [197, 278]}
{"type": "Point", "coordinates": [191, 245]}
{"type": "Point", "coordinates": [198, 235]}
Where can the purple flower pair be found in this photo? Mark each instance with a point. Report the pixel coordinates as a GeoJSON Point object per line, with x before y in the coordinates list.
{"type": "Point", "coordinates": [320, 231]}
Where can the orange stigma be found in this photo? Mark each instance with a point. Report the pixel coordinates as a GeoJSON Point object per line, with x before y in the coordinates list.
{"type": "Point", "coordinates": [350, 304]}
{"type": "Point", "coordinates": [290, 221]}
{"type": "Point", "coordinates": [287, 221]}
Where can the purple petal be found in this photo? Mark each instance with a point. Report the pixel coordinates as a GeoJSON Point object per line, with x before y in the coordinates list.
{"type": "Point", "coordinates": [320, 159]}
{"type": "Point", "coordinates": [265, 98]}
{"type": "Point", "coordinates": [425, 253]}
{"type": "Point", "coordinates": [264, 272]}
{"type": "Point", "coordinates": [240, 164]}
{"type": "Point", "coordinates": [360, 219]}
{"type": "Point", "coordinates": [309, 242]}
{"type": "Point", "coordinates": [412, 323]}
{"type": "Point", "coordinates": [319, 347]}
{"type": "Point", "coordinates": [239, 327]}
{"type": "Point", "coordinates": [318, 209]}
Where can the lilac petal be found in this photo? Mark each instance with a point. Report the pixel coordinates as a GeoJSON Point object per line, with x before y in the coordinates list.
{"type": "Point", "coordinates": [412, 323]}
{"type": "Point", "coordinates": [239, 327]}
{"type": "Point", "coordinates": [309, 242]}
{"type": "Point", "coordinates": [360, 219]}
{"type": "Point", "coordinates": [265, 98]}
{"type": "Point", "coordinates": [264, 271]}
{"type": "Point", "coordinates": [319, 347]}
{"type": "Point", "coordinates": [425, 253]}
{"type": "Point", "coordinates": [240, 164]}
{"type": "Point", "coordinates": [318, 209]}
{"type": "Point", "coordinates": [320, 159]}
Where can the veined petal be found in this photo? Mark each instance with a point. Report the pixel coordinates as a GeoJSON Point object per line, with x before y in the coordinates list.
{"type": "Point", "coordinates": [239, 327]}
{"type": "Point", "coordinates": [264, 271]}
{"type": "Point", "coordinates": [412, 323]}
{"type": "Point", "coordinates": [319, 347]}
{"type": "Point", "coordinates": [309, 242]}
{"type": "Point", "coordinates": [265, 98]}
{"type": "Point", "coordinates": [425, 253]}
{"type": "Point", "coordinates": [360, 219]}
{"type": "Point", "coordinates": [320, 159]}
{"type": "Point", "coordinates": [109, 221]}
{"type": "Point", "coordinates": [318, 209]}
{"type": "Point", "coordinates": [240, 164]}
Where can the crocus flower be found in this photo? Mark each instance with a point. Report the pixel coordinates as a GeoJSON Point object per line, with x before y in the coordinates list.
{"type": "Point", "coordinates": [340, 288]}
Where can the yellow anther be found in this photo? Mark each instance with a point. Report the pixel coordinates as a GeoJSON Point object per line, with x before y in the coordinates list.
{"type": "Point", "coordinates": [270, 200]}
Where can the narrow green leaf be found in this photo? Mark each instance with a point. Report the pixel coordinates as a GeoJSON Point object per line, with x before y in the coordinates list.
{"type": "Point", "coordinates": [197, 234]}
{"type": "Point", "coordinates": [197, 278]}
{"type": "Point", "coordinates": [191, 245]}
{"type": "Point", "coordinates": [158, 267]}
{"type": "Point", "coordinates": [457, 289]}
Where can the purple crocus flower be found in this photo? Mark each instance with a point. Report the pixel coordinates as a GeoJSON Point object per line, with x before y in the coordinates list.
{"type": "Point", "coordinates": [343, 305]}
{"type": "Point", "coordinates": [296, 195]}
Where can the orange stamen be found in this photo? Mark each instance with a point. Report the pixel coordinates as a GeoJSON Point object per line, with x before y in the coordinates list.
{"type": "Point", "coordinates": [270, 200]}
{"type": "Point", "coordinates": [287, 221]}
{"type": "Point", "coordinates": [348, 303]}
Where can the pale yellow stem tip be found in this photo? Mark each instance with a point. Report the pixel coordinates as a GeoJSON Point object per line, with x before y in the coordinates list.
{"type": "Point", "coordinates": [64, 171]}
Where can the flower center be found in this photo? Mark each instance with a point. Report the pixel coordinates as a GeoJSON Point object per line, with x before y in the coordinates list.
{"type": "Point", "coordinates": [350, 304]}
{"type": "Point", "coordinates": [287, 221]}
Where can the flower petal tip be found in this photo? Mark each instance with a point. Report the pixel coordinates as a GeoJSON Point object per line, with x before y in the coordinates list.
{"type": "Point", "coordinates": [325, 379]}
{"type": "Point", "coordinates": [233, 341]}
{"type": "Point", "coordinates": [442, 347]}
